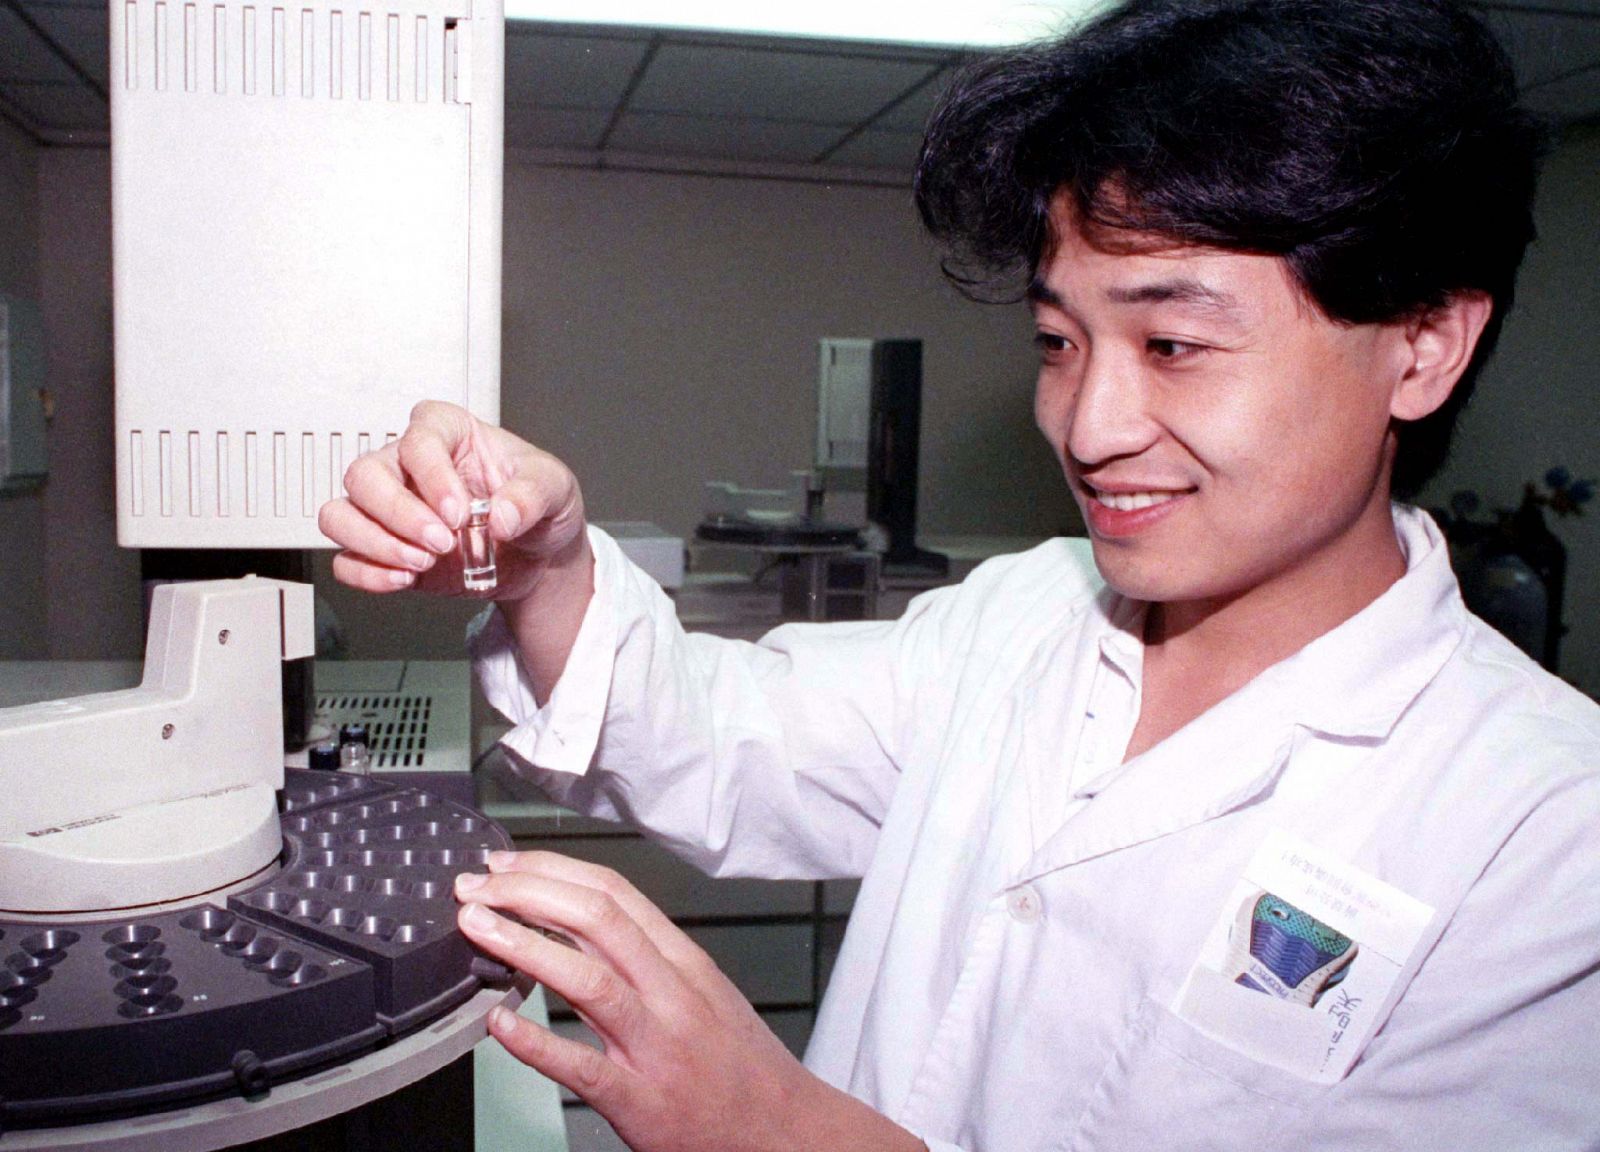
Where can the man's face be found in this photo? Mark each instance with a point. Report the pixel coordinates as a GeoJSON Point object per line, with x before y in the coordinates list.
{"type": "Point", "coordinates": [1219, 433]}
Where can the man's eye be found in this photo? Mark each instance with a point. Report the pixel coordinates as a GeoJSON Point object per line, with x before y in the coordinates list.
{"type": "Point", "coordinates": [1050, 344]}
{"type": "Point", "coordinates": [1164, 349]}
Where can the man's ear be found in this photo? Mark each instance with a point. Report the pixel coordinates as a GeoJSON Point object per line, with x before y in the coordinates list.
{"type": "Point", "coordinates": [1440, 343]}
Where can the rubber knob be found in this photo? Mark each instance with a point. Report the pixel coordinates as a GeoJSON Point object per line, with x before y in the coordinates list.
{"type": "Point", "coordinates": [250, 1073]}
{"type": "Point", "coordinates": [489, 971]}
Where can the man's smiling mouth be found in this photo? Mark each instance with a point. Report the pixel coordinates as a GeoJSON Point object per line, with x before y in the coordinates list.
{"type": "Point", "coordinates": [1132, 500]}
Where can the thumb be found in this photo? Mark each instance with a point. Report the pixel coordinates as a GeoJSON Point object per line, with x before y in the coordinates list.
{"type": "Point", "coordinates": [539, 508]}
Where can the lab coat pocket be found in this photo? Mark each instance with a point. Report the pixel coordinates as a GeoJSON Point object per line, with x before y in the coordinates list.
{"type": "Point", "coordinates": [1171, 1086]}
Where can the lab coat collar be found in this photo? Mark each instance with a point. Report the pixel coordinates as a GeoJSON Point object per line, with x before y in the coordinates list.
{"type": "Point", "coordinates": [1354, 682]}
{"type": "Point", "coordinates": [1357, 680]}
{"type": "Point", "coordinates": [1122, 642]}
{"type": "Point", "coordinates": [1210, 767]}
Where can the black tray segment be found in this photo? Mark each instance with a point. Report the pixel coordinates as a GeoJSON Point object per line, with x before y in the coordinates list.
{"type": "Point", "coordinates": [372, 877]}
{"type": "Point", "coordinates": [136, 1013]}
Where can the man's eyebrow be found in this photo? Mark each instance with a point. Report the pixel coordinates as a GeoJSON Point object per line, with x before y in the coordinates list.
{"type": "Point", "coordinates": [1182, 290]}
{"type": "Point", "coordinates": [1041, 293]}
{"type": "Point", "coordinates": [1179, 291]}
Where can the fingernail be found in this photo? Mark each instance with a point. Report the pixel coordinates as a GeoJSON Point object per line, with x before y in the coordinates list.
{"type": "Point", "coordinates": [478, 918]}
{"type": "Point", "coordinates": [402, 579]}
{"type": "Point", "coordinates": [510, 518]}
{"type": "Point", "coordinates": [417, 558]}
{"type": "Point", "coordinates": [498, 860]}
{"type": "Point", "coordinates": [450, 511]}
{"type": "Point", "coordinates": [467, 881]}
{"type": "Point", "coordinates": [502, 1019]}
{"type": "Point", "coordinates": [438, 537]}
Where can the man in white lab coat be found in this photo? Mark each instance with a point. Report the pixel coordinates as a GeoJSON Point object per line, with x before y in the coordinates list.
{"type": "Point", "coordinates": [1251, 837]}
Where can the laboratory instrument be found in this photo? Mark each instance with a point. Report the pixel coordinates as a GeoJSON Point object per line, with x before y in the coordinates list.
{"type": "Point", "coordinates": [869, 427]}
{"type": "Point", "coordinates": [306, 237]}
{"type": "Point", "coordinates": [181, 918]}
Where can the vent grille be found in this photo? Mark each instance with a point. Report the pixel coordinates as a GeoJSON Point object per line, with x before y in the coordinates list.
{"type": "Point", "coordinates": [290, 51]}
{"type": "Point", "coordinates": [397, 724]}
{"type": "Point", "coordinates": [217, 474]}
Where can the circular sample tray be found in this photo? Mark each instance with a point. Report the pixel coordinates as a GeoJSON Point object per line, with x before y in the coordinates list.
{"type": "Point", "coordinates": [352, 942]}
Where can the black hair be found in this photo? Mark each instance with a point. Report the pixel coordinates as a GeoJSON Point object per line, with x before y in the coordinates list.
{"type": "Point", "coordinates": [1375, 145]}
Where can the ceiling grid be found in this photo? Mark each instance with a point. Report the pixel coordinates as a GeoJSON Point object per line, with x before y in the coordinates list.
{"type": "Point", "coordinates": [620, 97]}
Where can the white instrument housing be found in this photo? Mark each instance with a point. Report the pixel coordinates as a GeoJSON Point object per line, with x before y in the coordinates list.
{"type": "Point", "coordinates": [162, 792]}
{"type": "Point", "coordinates": [306, 237]}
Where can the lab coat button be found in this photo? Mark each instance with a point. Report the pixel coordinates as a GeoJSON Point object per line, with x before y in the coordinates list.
{"type": "Point", "coordinates": [1024, 905]}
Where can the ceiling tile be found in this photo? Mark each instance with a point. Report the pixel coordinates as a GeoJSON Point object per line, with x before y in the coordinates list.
{"type": "Point", "coordinates": [569, 71]}
{"type": "Point", "coordinates": [713, 80]}
{"type": "Point", "coordinates": [911, 114]}
{"type": "Point", "coordinates": [55, 107]}
{"type": "Point", "coordinates": [773, 141]}
{"type": "Point", "coordinates": [1575, 98]}
{"type": "Point", "coordinates": [531, 127]}
{"type": "Point", "coordinates": [81, 30]}
{"type": "Point", "coordinates": [1544, 47]}
{"type": "Point", "coordinates": [873, 148]}
{"type": "Point", "coordinates": [23, 57]}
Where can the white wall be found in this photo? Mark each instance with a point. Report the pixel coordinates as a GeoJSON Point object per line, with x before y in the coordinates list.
{"type": "Point", "coordinates": [1537, 403]}
{"type": "Point", "coordinates": [23, 633]}
{"type": "Point", "coordinates": [662, 330]}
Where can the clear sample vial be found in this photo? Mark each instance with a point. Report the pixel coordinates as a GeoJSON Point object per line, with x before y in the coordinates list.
{"type": "Point", "coordinates": [355, 751]}
{"type": "Point", "coordinates": [477, 549]}
{"type": "Point", "coordinates": [355, 758]}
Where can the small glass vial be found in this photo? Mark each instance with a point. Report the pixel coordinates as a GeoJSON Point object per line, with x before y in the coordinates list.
{"type": "Point", "coordinates": [355, 752]}
{"type": "Point", "coordinates": [477, 549]}
{"type": "Point", "coordinates": [355, 758]}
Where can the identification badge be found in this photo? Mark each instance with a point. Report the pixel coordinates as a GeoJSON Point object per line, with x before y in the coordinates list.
{"type": "Point", "coordinates": [1302, 960]}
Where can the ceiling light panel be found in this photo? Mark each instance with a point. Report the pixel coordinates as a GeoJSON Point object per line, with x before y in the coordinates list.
{"type": "Point", "coordinates": [978, 23]}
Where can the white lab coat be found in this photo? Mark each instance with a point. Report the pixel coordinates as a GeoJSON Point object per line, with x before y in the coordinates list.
{"type": "Point", "coordinates": [1032, 907]}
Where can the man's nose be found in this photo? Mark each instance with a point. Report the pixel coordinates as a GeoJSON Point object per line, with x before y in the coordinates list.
{"type": "Point", "coordinates": [1110, 412]}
